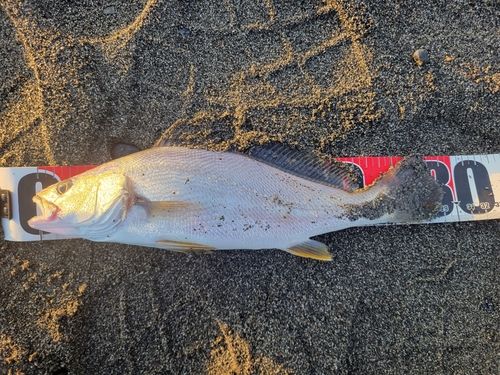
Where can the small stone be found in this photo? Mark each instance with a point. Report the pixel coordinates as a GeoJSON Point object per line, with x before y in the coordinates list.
{"type": "Point", "coordinates": [121, 149]}
{"type": "Point", "coordinates": [185, 33]}
{"type": "Point", "coordinates": [109, 10]}
{"type": "Point", "coordinates": [421, 57]}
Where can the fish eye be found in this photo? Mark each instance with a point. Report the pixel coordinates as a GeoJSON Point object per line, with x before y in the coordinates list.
{"type": "Point", "coordinates": [63, 186]}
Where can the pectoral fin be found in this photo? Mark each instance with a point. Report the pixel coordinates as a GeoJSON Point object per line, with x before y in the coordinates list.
{"type": "Point", "coordinates": [167, 209]}
{"type": "Point", "coordinates": [185, 247]}
{"type": "Point", "coordinates": [310, 249]}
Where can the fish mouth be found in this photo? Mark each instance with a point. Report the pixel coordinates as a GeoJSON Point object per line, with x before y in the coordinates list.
{"type": "Point", "coordinates": [48, 213]}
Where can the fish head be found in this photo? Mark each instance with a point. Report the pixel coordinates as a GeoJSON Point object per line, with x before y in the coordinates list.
{"type": "Point", "coordinates": [88, 205]}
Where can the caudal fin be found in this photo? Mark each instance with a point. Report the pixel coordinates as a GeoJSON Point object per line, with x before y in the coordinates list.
{"type": "Point", "coordinates": [406, 193]}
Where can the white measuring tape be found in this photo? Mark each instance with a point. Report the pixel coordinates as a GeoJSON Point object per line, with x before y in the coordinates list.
{"type": "Point", "coordinates": [471, 186]}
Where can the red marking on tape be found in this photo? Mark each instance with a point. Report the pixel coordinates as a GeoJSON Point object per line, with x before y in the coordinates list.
{"type": "Point", "coordinates": [372, 166]}
{"type": "Point", "coordinates": [64, 172]}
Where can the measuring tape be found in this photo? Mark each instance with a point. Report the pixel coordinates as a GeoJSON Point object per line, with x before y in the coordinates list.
{"type": "Point", "coordinates": [471, 186]}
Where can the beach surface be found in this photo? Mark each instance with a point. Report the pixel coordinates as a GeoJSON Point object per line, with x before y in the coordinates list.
{"type": "Point", "coordinates": [333, 76]}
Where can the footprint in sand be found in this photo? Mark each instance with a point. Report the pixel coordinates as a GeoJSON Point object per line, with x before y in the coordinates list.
{"type": "Point", "coordinates": [222, 74]}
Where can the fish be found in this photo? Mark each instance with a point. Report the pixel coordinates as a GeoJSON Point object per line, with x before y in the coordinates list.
{"type": "Point", "coordinates": [195, 200]}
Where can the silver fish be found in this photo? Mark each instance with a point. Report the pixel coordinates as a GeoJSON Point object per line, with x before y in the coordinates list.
{"type": "Point", "coordinates": [185, 199]}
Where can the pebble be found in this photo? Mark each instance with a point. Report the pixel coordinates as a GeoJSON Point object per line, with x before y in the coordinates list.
{"type": "Point", "coordinates": [109, 10]}
{"type": "Point", "coordinates": [185, 33]}
{"type": "Point", "coordinates": [121, 149]}
{"type": "Point", "coordinates": [421, 57]}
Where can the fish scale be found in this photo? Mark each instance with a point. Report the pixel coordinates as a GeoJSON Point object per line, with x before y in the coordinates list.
{"type": "Point", "coordinates": [241, 190]}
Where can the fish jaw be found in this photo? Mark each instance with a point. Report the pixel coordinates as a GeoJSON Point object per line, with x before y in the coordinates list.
{"type": "Point", "coordinates": [48, 215]}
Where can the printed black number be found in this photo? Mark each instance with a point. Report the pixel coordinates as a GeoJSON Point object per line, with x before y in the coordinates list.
{"type": "Point", "coordinates": [357, 175]}
{"type": "Point", "coordinates": [26, 189]}
{"type": "Point", "coordinates": [473, 175]}
{"type": "Point", "coordinates": [442, 175]}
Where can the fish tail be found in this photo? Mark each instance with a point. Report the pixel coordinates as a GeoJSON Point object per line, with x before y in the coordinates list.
{"type": "Point", "coordinates": [406, 193]}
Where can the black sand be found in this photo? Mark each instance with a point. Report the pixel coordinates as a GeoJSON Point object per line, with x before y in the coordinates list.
{"type": "Point", "coordinates": [335, 76]}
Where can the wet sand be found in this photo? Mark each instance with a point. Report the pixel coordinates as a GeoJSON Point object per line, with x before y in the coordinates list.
{"type": "Point", "coordinates": [333, 76]}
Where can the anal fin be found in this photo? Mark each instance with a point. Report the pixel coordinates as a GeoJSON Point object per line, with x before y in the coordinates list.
{"type": "Point", "coordinates": [185, 246]}
{"type": "Point", "coordinates": [310, 249]}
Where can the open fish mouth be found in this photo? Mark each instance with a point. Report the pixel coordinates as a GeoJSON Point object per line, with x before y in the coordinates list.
{"type": "Point", "coordinates": [48, 213]}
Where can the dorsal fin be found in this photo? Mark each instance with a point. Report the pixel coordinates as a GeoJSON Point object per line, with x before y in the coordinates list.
{"type": "Point", "coordinates": [306, 165]}
{"type": "Point", "coordinates": [168, 140]}
{"type": "Point", "coordinates": [299, 163]}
